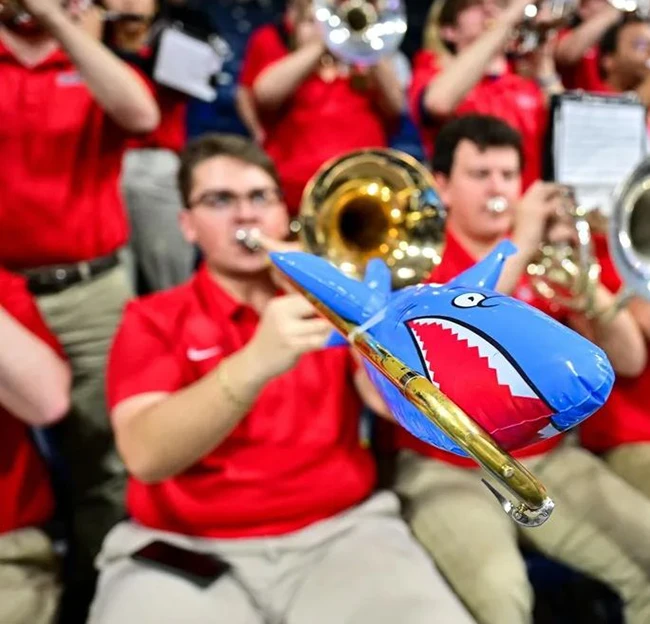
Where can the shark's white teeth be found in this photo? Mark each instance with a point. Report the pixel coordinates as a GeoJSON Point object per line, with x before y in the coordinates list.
{"type": "Point", "coordinates": [423, 351]}
{"type": "Point", "coordinates": [507, 374]}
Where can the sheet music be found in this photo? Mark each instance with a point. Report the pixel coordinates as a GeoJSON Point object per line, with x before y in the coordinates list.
{"type": "Point", "coordinates": [187, 64]}
{"type": "Point", "coordinates": [597, 143]}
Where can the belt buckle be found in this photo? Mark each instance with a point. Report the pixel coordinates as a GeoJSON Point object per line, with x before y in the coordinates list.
{"type": "Point", "coordinates": [84, 271]}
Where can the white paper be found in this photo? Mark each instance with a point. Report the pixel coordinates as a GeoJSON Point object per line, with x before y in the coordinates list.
{"type": "Point", "coordinates": [597, 144]}
{"type": "Point", "coordinates": [187, 64]}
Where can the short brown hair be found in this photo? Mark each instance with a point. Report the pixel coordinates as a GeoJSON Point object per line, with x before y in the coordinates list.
{"type": "Point", "coordinates": [213, 145]}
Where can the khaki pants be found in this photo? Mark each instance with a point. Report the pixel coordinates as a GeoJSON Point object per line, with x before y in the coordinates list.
{"type": "Point", "coordinates": [631, 462]}
{"type": "Point", "coordinates": [29, 588]}
{"type": "Point", "coordinates": [84, 318]}
{"type": "Point", "coordinates": [360, 567]}
{"type": "Point", "coordinates": [600, 526]}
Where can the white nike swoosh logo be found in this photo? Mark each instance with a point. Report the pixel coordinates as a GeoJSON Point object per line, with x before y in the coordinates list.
{"type": "Point", "coordinates": [198, 355]}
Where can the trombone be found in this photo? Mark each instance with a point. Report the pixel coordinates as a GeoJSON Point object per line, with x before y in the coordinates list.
{"type": "Point", "coordinates": [383, 203]}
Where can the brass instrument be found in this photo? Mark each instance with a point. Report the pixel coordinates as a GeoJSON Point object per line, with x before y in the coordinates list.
{"type": "Point", "coordinates": [361, 31]}
{"type": "Point", "coordinates": [569, 275]}
{"type": "Point", "coordinates": [374, 203]}
{"type": "Point", "coordinates": [629, 233]}
{"type": "Point", "coordinates": [532, 32]}
{"type": "Point", "coordinates": [383, 203]}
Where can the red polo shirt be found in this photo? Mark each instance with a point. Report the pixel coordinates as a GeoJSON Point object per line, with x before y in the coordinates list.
{"type": "Point", "coordinates": [25, 493]}
{"type": "Point", "coordinates": [517, 100]}
{"type": "Point", "coordinates": [320, 121]}
{"type": "Point", "coordinates": [61, 160]}
{"type": "Point", "coordinates": [455, 260]}
{"type": "Point", "coordinates": [625, 417]}
{"type": "Point", "coordinates": [296, 458]}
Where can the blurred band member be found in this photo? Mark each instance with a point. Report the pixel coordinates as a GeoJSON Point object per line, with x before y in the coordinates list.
{"type": "Point", "coordinates": [576, 52]}
{"type": "Point", "coordinates": [312, 106]}
{"type": "Point", "coordinates": [475, 75]}
{"type": "Point", "coordinates": [476, 545]}
{"type": "Point", "coordinates": [34, 392]}
{"type": "Point", "coordinates": [162, 257]}
{"type": "Point", "coordinates": [620, 431]}
{"type": "Point", "coordinates": [241, 436]}
{"type": "Point", "coordinates": [67, 109]}
{"type": "Point", "coordinates": [625, 58]}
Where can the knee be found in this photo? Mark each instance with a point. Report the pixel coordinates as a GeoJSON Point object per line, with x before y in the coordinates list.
{"type": "Point", "coordinates": [496, 589]}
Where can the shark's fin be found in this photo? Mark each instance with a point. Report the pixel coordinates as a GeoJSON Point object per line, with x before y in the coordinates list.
{"type": "Point", "coordinates": [349, 298]}
{"type": "Point", "coordinates": [378, 279]}
{"type": "Point", "coordinates": [486, 273]}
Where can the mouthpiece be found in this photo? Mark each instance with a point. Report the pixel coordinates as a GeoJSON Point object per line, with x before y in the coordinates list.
{"type": "Point", "coordinates": [497, 204]}
{"type": "Point", "coordinates": [249, 239]}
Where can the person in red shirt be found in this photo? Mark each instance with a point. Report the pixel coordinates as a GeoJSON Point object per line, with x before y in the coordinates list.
{"type": "Point", "coordinates": [624, 54]}
{"type": "Point", "coordinates": [474, 75]}
{"type": "Point", "coordinates": [476, 546]}
{"type": "Point", "coordinates": [313, 107]}
{"type": "Point", "coordinates": [241, 436]}
{"type": "Point", "coordinates": [620, 431]}
{"type": "Point", "coordinates": [67, 111]}
{"type": "Point", "coordinates": [29, 584]}
{"type": "Point", "coordinates": [576, 52]}
{"type": "Point", "coordinates": [161, 256]}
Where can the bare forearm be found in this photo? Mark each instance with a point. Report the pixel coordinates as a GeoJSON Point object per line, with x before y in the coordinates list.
{"type": "Point", "coordinates": [571, 48]}
{"type": "Point", "coordinates": [34, 381]}
{"type": "Point", "coordinates": [620, 338]}
{"type": "Point", "coordinates": [248, 114]}
{"type": "Point", "coordinates": [173, 434]}
{"type": "Point", "coordinates": [640, 310]}
{"type": "Point", "coordinates": [279, 81]}
{"type": "Point", "coordinates": [116, 87]}
{"type": "Point", "coordinates": [461, 73]}
{"type": "Point", "coordinates": [390, 95]}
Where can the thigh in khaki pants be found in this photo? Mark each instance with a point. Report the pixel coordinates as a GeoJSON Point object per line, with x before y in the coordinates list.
{"type": "Point", "coordinates": [475, 544]}
{"type": "Point", "coordinates": [84, 318]}
{"type": "Point", "coordinates": [631, 462]}
{"type": "Point", "coordinates": [29, 588]}
{"type": "Point", "coordinates": [359, 567]}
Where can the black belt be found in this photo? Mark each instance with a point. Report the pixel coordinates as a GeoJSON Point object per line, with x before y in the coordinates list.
{"type": "Point", "coordinates": [57, 277]}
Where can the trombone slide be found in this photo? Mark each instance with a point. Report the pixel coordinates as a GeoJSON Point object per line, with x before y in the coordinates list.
{"type": "Point", "coordinates": [533, 506]}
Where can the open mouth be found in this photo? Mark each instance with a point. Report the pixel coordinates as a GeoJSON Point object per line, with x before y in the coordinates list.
{"type": "Point", "coordinates": [481, 378]}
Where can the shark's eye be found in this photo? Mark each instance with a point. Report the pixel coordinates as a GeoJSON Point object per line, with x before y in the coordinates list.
{"type": "Point", "coordinates": [468, 300]}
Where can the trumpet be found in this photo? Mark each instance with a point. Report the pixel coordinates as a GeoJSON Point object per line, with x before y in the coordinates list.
{"type": "Point", "coordinates": [361, 31]}
{"type": "Point", "coordinates": [381, 203]}
{"type": "Point", "coordinates": [532, 32]}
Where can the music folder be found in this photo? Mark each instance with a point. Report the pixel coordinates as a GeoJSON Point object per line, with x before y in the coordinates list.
{"type": "Point", "coordinates": [595, 141]}
{"type": "Point", "coordinates": [187, 64]}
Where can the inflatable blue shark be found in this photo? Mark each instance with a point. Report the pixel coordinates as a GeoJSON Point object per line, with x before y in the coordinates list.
{"type": "Point", "coordinates": [517, 372]}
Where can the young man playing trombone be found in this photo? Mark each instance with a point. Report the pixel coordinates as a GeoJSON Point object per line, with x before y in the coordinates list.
{"type": "Point", "coordinates": [241, 436]}
{"type": "Point", "coordinates": [601, 526]}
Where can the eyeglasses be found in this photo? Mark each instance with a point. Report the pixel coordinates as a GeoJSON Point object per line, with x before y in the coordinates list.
{"type": "Point", "coordinates": [225, 201]}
